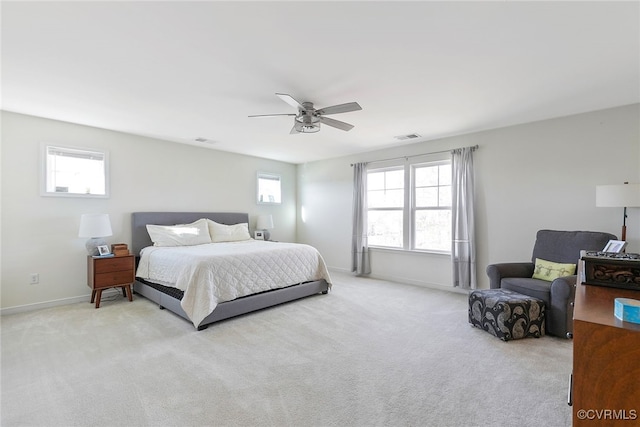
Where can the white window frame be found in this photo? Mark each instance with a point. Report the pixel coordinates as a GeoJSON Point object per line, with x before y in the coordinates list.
{"type": "Point", "coordinates": [391, 209]}
{"type": "Point", "coordinates": [409, 209]}
{"type": "Point", "coordinates": [414, 208]}
{"type": "Point", "coordinates": [48, 181]}
{"type": "Point", "coordinates": [263, 193]}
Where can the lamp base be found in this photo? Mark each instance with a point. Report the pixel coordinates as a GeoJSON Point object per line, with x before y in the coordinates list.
{"type": "Point", "coordinates": [92, 245]}
{"type": "Point", "coordinates": [266, 234]}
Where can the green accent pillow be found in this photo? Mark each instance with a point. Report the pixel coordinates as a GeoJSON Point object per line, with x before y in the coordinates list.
{"type": "Point", "coordinates": [550, 271]}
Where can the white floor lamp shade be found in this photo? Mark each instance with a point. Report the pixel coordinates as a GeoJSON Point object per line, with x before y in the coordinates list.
{"type": "Point", "coordinates": [619, 196]}
{"type": "Point", "coordinates": [95, 226]}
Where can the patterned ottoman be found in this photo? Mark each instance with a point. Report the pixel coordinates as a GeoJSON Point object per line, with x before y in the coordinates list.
{"type": "Point", "coordinates": [506, 314]}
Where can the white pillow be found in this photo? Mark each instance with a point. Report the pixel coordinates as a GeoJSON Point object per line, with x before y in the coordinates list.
{"type": "Point", "coordinates": [228, 233]}
{"type": "Point", "coordinates": [196, 233]}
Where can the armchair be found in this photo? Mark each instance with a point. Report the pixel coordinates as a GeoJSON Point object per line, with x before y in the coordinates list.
{"type": "Point", "coordinates": [558, 295]}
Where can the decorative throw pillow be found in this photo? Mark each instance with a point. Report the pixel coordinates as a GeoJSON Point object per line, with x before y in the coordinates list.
{"type": "Point", "coordinates": [228, 233]}
{"type": "Point", "coordinates": [196, 233]}
{"type": "Point", "coordinates": [550, 271]}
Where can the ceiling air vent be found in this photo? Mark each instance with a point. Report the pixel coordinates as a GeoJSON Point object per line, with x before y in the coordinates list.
{"type": "Point", "coordinates": [405, 137]}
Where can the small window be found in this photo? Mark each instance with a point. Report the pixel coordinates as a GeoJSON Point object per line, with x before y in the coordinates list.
{"type": "Point", "coordinates": [269, 188]}
{"type": "Point", "coordinates": [75, 172]}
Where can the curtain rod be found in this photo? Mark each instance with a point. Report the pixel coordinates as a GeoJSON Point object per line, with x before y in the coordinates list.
{"type": "Point", "coordinates": [473, 147]}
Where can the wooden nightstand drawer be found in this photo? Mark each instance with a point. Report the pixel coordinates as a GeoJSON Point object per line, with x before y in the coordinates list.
{"type": "Point", "coordinates": [106, 265]}
{"type": "Point", "coordinates": [113, 278]}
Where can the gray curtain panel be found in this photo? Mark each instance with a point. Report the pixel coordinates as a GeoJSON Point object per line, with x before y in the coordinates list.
{"type": "Point", "coordinates": [359, 244]}
{"type": "Point", "coordinates": [463, 251]}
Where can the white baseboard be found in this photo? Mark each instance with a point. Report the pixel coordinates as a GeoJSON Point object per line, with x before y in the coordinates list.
{"type": "Point", "coordinates": [419, 283]}
{"type": "Point", "coordinates": [54, 303]}
{"type": "Point", "coordinates": [338, 270]}
{"type": "Point", "coordinates": [403, 280]}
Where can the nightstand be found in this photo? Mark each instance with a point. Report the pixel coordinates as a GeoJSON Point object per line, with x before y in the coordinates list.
{"type": "Point", "coordinates": [111, 272]}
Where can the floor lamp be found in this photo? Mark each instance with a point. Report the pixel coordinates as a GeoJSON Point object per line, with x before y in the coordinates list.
{"type": "Point", "coordinates": [619, 196]}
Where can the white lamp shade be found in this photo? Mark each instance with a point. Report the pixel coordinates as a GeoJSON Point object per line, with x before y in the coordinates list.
{"type": "Point", "coordinates": [618, 196]}
{"type": "Point", "coordinates": [95, 225]}
{"type": "Point", "coordinates": [265, 222]}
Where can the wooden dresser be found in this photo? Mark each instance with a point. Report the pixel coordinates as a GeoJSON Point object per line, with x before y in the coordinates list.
{"type": "Point", "coordinates": [606, 360]}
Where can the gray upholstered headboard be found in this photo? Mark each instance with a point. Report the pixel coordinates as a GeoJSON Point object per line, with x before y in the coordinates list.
{"type": "Point", "coordinates": [139, 220]}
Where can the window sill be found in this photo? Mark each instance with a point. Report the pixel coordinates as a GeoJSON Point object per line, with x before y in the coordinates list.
{"type": "Point", "coordinates": [408, 251]}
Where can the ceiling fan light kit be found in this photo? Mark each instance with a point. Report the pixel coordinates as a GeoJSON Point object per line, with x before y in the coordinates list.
{"type": "Point", "coordinates": [308, 118]}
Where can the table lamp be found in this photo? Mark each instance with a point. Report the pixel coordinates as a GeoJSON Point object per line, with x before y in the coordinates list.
{"type": "Point", "coordinates": [265, 223]}
{"type": "Point", "coordinates": [619, 196]}
{"type": "Point", "coordinates": [95, 226]}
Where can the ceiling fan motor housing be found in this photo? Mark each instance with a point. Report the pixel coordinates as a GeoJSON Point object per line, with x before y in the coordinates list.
{"type": "Point", "coordinates": [307, 121]}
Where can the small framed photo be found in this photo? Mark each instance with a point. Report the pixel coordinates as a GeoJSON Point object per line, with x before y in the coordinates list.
{"type": "Point", "coordinates": [615, 246]}
{"type": "Point", "coordinates": [103, 250]}
{"type": "Point", "coordinates": [258, 235]}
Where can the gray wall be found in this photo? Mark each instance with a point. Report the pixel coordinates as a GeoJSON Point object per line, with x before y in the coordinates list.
{"type": "Point", "coordinates": [528, 177]}
{"type": "Point", "coordinates": [40, 234]}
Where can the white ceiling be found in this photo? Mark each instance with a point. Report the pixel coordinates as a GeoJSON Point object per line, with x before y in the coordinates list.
{"type": "Point", "coordinates": [182, 70]}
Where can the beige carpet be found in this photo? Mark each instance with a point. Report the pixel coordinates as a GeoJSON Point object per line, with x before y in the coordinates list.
{"type": "Point", "coordinates": [369, 353]}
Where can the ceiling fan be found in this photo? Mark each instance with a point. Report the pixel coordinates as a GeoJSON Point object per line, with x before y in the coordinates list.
{"type": "Point", "coordinates": [308, 119]}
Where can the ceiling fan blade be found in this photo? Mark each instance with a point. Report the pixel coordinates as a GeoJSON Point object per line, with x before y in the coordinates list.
{"type": "Point", "coordinates": [271, 115]}
{"type": "Point", "coordinates": [335, 123]}
{"type": "Point", "coordinates": [289, 100]}
{"type": "Point", "coordinates": [342, 108]}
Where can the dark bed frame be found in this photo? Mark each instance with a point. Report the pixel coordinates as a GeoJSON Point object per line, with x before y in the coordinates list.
{"type": "Point", "coordinates": [140, 239]}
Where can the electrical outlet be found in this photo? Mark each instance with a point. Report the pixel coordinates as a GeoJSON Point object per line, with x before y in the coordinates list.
{"type": "Point", "coordinates": [34, 278]}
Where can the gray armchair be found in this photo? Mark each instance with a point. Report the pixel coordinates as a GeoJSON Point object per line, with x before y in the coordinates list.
{"type": "Point", "coordinates": [555, 246]}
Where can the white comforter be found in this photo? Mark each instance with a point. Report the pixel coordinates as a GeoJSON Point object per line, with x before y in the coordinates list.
{"type": "Point", "coordinates": [216, 272]}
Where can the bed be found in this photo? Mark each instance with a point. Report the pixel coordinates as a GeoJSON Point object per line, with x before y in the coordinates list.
{"type": "Point", "coordinates": [170, 297]}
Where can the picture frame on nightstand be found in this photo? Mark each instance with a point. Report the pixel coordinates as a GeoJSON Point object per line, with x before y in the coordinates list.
{"type": "Point", "coordinates": [103, 250]}
{"type": "Point", "coordinates": [258, 235]}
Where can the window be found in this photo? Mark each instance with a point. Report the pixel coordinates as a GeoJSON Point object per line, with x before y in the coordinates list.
{"type": "Point", "coordinates": [75, 172]}
{"type": "Point", "coordinates": [269, 188]}
{"type": "Point", "coordinates": [409, 207]}
{"type": "Point", "coordinates": [431, 207]}
{"type": "Point", "coordinates": [385, 202]}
